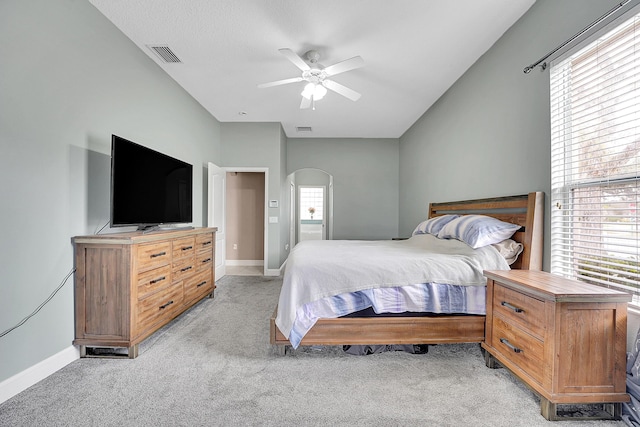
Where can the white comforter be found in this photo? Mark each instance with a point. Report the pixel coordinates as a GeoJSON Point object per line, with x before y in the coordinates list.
{"type": "Point", "coordinates": [318, 269]}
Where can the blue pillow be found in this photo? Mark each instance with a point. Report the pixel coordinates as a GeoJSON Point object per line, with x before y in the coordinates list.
{"type": "Point", "coordinates": [433, 225]}
{"type": "Point", "coordinates": [478, 230]}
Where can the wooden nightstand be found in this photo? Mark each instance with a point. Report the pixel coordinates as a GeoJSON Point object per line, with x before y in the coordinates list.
{"type": "Point", "coordinates": [563, 338]}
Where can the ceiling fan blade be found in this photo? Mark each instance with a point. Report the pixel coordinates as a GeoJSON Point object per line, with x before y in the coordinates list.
{"type": "Point", "coordinates": [293, 57]}
{"type": "Point", "coordinates": [342, 90]}
{"type": "Point", "coordinates": [305, 103]}
{"type": "Point", "coordinates": [281, 82]}
{"type": "Point", "coordinates": [346, 65]}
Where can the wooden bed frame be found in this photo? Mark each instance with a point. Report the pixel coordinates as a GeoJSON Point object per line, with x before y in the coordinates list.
{"type": "Point", "coordinates": [526, 210]}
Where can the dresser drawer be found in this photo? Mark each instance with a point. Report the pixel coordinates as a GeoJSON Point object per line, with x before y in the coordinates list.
{"type": "Point", "coordinates": [183, 248]}
{"type": "Point", "coordinates": [523, 349]}
{"type": "Point", "coordinates": [204, 260]}
{"type": "Point", "coordinates": [199, 285]}
{"type": "Point", "coordinates": [153, 255]}
{"type": "Point", "coordinates": [184, 268]}
{"type": "Point", "coordinates": [523, 310]}
{"type": "Point", "coordinates": [204, 242]}
{"type": "Point", "coordinates": [160, 305]}
{"type": "Point", "coordinates": [153, 280]}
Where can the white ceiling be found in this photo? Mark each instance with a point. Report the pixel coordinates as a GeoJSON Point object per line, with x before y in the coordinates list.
{"type": "Point", "coordinates": [413, 51]}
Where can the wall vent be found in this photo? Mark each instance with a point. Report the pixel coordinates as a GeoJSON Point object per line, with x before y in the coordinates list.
{"type": "Point", "coordinates": [165, 53]}
{"type": "Point", "coordinates": [303, 128]}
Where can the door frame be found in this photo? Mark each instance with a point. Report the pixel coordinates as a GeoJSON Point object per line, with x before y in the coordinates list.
{"type": "Point", "coordinates": [265, 266]}
{"type": "Point", "coordinates": [293, 235]}
{"type": "Point", "coordinates": [211, 216]}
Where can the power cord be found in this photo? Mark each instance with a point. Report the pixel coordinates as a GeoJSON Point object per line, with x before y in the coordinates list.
{"type": "Point", "coordinates": [103, 227]}
{"type": "Point", "coordinates": [23, 321]}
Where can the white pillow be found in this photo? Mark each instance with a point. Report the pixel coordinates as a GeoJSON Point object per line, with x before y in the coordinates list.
{"type": "Point", "coordinates": [478, 230]}
{"type": "Point", "coordinates": [433, 225]}
{"type": "Point", "coordinates": [509, 249]}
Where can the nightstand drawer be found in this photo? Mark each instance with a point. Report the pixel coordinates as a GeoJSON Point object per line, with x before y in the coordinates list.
{"type": "Point", "coordinates": [521, 348]}
{"type": "Point", "coordinates": [523, 310]}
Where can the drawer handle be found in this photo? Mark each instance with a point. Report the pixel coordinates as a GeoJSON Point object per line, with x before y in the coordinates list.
{"type": "Point", "coordinates": [186, 248]}
{"type": "Point", "coordinates": [162, 307]}
{"type": "Point", "coordinates": [159, 279]}
{"type": "Point", "coordinates": [201, 284]}
{"type": "Point", "coordinates": [186, 268]}
{"type": "Point", "coordinates": [206, 243]}
{"type": "Point", "coordinates": [511, 346]}
{"type": "Point", "coordinates": [512, 307]}
{"type": "Point", "coordinates": [206, 260]}
{"type": "Point", "coordinates": [158, 254]}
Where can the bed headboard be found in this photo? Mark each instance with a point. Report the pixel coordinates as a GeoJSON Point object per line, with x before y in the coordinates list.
{"type": "Point", "coordinates": [526, 210]}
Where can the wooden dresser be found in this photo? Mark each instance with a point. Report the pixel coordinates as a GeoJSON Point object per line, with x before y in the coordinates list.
{"type": "Point", "coordinates": [565, 339]}
{"type": "Point", "coordinates": [128, 285]}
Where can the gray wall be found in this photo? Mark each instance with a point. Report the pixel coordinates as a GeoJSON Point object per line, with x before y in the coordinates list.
{"type": "Point", "coordinates": [284, 203]}
{"type": "Point", "coordinates": [68, 80]}
{"type": "Point", "coordinates": [489, 134]}
{"type": "Point", "coordinates": [365, 182]}
{"type": "Point", "coordinates": [261, 145]}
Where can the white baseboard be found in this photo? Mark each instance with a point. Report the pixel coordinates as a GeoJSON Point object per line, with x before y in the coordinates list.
{"type": "Point", "coordinates": [30, 376]}
{"type": "Point", "coordinates": [272, 272]}
{"type": "Point", "coordinates": [244, 262]}
{"type": "Point", "coordinates": [275, 271]}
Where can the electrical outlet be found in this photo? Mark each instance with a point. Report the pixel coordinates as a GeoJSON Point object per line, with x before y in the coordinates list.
{"type": "Point", "coordinates": [286, 247]}
{"type": "Point", "coordinates": [235, 246]}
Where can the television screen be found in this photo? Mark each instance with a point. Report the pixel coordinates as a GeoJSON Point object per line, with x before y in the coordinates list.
{"type": "Point", "coordinates": [148, 188]}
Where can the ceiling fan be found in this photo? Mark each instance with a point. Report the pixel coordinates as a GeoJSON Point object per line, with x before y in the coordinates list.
{"type": "Point", "coordinates": [317, 77]}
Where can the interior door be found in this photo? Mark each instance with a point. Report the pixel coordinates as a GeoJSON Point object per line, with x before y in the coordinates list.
{"type": "Point", "coordinates": [216, 213]}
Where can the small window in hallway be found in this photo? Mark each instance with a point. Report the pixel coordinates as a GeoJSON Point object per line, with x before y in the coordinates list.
{"type": "Point", "coordinates": [311, 203]}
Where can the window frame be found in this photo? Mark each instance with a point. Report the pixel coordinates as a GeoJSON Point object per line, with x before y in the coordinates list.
{"type": "Point", "coordinates": [566, 244]}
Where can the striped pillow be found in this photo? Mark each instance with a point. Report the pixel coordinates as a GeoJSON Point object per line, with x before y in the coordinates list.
{"type": "Point", "coordinates": [478, 230]}
{"type": "Point", "coordinates": [433, 225]}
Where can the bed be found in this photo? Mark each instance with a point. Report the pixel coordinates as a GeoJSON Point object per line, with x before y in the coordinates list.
{"type": "Point", "coordinates": [526, 211]}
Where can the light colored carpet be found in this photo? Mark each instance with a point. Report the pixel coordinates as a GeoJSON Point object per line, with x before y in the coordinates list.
{"type": "Point", "coordinates": [213, 366]}
{"type": "Point", "coordinates": [244, 270]}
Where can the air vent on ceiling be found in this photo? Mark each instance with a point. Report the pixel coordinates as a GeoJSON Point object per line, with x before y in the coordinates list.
{"type": "Point", "coordinates": [166, 54]}
{"type": "Point", "coordinates": [303, 128]}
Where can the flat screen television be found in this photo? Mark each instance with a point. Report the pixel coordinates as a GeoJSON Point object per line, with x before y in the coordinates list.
{"type": "Point", "coordinates": [148, 189]}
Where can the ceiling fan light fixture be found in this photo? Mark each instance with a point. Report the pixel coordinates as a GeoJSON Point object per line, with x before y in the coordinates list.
{"type": "Point", "coordinates": [313, 90]}
{"type": "Point", "coordinates": [319, 92]}
{"type": "Point", "coordinates": [308, 90]}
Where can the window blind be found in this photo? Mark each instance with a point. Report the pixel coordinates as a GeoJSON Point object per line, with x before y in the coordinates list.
{"type": "Point", "coordinates": [595, 152]}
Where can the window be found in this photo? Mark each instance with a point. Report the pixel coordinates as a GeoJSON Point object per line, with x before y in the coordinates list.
{"type": "Point", "coordinates": [311, 203]}
{"type": "Point", "coordinates": [595, 152]}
